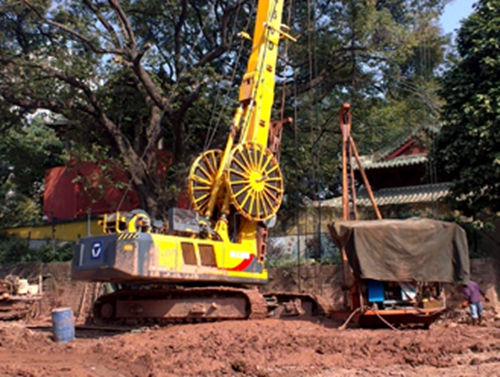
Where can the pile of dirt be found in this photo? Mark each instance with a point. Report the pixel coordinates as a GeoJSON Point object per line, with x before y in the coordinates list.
{"type": "Point", "coordinates": [253, 348]}
{"type": "Point", "coordinates": [15, 335]}
{"type": "Point", "coordinates": [267, 348]}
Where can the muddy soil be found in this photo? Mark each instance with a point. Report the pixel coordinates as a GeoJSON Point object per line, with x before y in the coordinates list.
{"type": "Point", "coordinates": [267, 348]}
{"type": "Point", "coordinates": [264, 348]}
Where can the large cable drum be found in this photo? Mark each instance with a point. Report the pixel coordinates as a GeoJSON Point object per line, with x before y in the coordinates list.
{"type": "Point", "coordinates": [202, 178]}
{"type": "Point", "coordinates": [255, 181]}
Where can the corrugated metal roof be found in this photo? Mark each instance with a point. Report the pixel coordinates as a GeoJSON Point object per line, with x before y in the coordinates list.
{"type": "Point", "coordinates": [384, 152]}
{"type": "Point", "coordinates": [395, 162]}
{"type": "Point", "coordinates": [396, 195]}
{"type": "Point", "coordinates": [375, 160]}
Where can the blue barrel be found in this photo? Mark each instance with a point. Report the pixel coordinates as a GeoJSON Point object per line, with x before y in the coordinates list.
{"type": "Point", "coordinates": [63, 326]}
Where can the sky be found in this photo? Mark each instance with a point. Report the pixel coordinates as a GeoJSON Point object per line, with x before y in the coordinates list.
{"type": "Point", "coordinates": [455, 11]}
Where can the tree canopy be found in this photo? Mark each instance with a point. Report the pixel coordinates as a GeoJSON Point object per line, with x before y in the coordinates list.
{"type": "Point", "coordinates": [25, 153]}
{"type": "Point", "coordinates": [380, 56]}
{"type": "Point", "coordinates": [135, 76]}
{"type": "Point", "coordinates": [468, 147]}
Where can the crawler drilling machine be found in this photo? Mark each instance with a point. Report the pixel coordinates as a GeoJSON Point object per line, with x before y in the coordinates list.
{"type": "Point", "coordinates": [205, 263]}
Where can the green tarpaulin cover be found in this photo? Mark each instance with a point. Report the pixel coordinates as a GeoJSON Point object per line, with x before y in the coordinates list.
{"type": "Point", "coordinates": [404, 250]}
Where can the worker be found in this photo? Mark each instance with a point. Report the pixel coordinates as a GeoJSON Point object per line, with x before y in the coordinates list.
{"type": "Point", "coordinates": [473, 293]}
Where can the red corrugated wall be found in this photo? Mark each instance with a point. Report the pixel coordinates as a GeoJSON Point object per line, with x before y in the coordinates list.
{"type": "Point", "coordinates": [70, 191]}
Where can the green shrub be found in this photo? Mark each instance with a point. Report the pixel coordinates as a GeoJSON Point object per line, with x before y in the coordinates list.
{"type": "Point", "coordinates": [15, 250]}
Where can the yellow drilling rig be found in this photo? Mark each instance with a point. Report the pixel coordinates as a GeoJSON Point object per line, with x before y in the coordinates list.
{"type": "Point", "coordinates": [205, 263]}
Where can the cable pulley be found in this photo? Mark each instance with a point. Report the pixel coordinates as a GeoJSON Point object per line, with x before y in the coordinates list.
{"type": "Point", "coordinates": [255, 182]}
{"type": "Point", "coordinates": [202, 178]}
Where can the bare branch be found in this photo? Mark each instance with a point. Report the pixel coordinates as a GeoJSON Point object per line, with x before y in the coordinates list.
{"type": "Point", "coordinates": [177, 37]}
{"type": "Point", "coordinates": [73, 32]}
{"type": "Point", "coordinates": [201, 23]}
{"type": "Point", "coordinates": [126, 27]}
{"type": "Point", "coordinates": [171, 9]}
{"type": "Point", "coordinates": [104, 22]}
{"type": "Point", "coordinates": [218, 51]}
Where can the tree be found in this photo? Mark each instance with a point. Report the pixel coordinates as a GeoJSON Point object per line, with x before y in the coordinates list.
{"type": "Point", "coordinates": [468, 147]}
{"type": "Point", "coordinates": [26, 150]}
{"type": "Point", "coordinates": [151, 60]}
{"type": "Point", "coordinates": [380, 56]}
{"type": "Point", "coordinates": [15, 250]}
{"type": "Point", "coordinates": [133, 75]}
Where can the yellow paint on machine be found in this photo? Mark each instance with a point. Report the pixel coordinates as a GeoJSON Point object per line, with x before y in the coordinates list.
{"type": "Point", "coordinates": [64, 231]}
{"type": "Point", "coordinates": [230, 246]}
{"type": "Point", "coordinates": [169, 257]}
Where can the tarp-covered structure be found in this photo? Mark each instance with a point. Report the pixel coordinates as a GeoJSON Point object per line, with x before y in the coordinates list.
{"type": "Point", "coordinates": [404, 250]}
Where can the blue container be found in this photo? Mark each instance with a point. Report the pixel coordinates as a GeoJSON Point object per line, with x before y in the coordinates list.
{"type": "Point", "coordinates": [375, 291]}
{"type": "Point", "coordinates": [63, 326]}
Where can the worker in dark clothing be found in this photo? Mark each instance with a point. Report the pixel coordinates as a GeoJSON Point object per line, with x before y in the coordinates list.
{"type": "Point", "coordinates": [473, 294]}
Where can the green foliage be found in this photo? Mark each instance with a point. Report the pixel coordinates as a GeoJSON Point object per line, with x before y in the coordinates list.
{"type": "Point", "coordinates": [15, 250]}
{"type": "Point", "coordinates": [17, 208]}
{"type": "Point", "coordinates": [468, 147]}
{"type": "Point", "coordinates": [25, 152]}
{"type": "Point", "coordinates": [160, 75]}
{"type": "Point", "coordinates": [128, 76]}
{"type": "Point", "coordinates": [382, 57]}
{"type": "Point", "coordinates": [109, 172]}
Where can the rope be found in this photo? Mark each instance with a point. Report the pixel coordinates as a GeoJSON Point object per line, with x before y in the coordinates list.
{"type": "Point", "coordinates": [316, 125]}
{"type": "Point", "coordinates": [209, 139]}
{"type": "Point", "coordinates": [310, 62]}
{"type": "Point", "coordinates": [343, 327]}
{"type": "Point", "coordinates": [219, 87]}
{"type": "Point", "coordinates": [260, 69]}
{"type": "Point", "coordinates": [283, 86]}
{"type": "Point", "coordinates": [297, 170]}
{"type": "Point", "coordinates": [374, 308]}
{"type": "Point", "coordinates": [198, 38]}
{"type": "Point", "coordinates": [125, 192]}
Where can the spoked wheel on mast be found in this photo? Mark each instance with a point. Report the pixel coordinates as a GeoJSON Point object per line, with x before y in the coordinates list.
{"type": "Point", "coordinates": [255, 181]}
{"type": "Point", "coordinates": [202, 178]}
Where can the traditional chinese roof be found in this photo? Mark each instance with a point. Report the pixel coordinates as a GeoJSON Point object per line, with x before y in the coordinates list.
{"type": "Point", "coordinates": [369, 163]}
{"type": "Point", "coordinates": [396, 195]}
{"type": "Point", "coordinates": [381, 158]}
{"type": "Point", "coordinates": [399, 142]}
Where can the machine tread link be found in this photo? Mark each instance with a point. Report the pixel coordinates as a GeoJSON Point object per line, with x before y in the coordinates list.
{"type": "Point", "coordinates": [201, 304]}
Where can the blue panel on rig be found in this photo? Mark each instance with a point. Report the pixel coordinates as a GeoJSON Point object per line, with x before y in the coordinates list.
{"type": "Point", "coordinates": [375, 291]}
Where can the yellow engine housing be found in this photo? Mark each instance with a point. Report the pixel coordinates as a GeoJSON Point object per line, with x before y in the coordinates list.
{"type": "Point", "coordinates": [134, 258]}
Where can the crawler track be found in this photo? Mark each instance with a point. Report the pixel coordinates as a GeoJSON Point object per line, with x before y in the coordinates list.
{"type": "Point", "coordinates": [19, 307]}
{"type": "Point", "coordinates": [289, 304]}
{"type": "Point", "coordinates": [201, 304]}
{"type": "Point", "coordinates": [183, 305]}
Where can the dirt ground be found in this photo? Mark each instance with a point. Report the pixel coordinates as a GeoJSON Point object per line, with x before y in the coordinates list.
{"type": "Point", "coordinates": [268, 347]}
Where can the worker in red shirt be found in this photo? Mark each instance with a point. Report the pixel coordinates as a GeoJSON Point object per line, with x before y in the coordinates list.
{"type": "Point", "coordinates": [473, 294]}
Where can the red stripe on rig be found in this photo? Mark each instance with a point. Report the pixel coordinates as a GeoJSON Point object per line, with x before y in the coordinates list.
{"type": "Point", "coordinates": [243, 265]}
